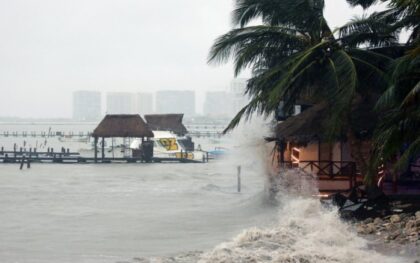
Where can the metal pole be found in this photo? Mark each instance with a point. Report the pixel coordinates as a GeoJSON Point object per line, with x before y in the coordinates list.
{"type": "Point", "coordinates": [239, 179]}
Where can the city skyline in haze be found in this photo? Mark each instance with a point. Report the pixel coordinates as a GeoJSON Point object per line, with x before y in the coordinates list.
{"type": "Point", "coordinates": [51, 48]}
{"type": "Point", "coordinates": [94, 105]}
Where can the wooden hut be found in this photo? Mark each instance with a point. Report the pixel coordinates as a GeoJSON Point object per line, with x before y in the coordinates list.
{"type": "Point", "coordinates": [121, 126]}
{"type": "Point", "coordinates": [304, 141]}
{"type": "Point", "coordinates": [167, 122]}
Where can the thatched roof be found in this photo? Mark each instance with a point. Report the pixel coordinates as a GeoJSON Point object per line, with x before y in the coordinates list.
{"type": "Point", "coordinates": [123, 125]}
{"type": "Point", "coordinates": [166, 122]}
{"type": "Point", "coordinates": [310, 125]}
{"type": "Point", "coordinates": [304, 127]}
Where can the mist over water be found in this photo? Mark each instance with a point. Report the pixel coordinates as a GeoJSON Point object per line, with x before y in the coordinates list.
{"type": "Point", "coordinates": [160, 212]}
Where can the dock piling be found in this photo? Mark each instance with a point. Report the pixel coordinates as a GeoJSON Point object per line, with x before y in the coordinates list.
{"type": "Point", "coordinates": [22, 162]}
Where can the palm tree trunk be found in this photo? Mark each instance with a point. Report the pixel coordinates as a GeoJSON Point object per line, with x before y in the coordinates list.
{"type": "Point", "coordinates": [361, 151]}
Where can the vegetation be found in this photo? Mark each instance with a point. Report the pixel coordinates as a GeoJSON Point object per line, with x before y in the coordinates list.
{"type": "Point", "coordinates": [400, 128]}
{"type": "Point", "coordinates": [294, 54]}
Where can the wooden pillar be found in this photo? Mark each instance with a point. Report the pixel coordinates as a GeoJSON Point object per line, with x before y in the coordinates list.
{"type": "Point", "coordinates": [103, 149]}
{"type": "Point", "coordinates": [282, 150]}
{"type": "Point", "coordinates": [96, 149]}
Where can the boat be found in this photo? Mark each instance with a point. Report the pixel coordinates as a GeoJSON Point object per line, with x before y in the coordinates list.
{"type": "Point", "coordinates": [218, 152]}
{"type": "Point", "coordinates": [74, 138]}
{"type": "Point", "coordinates": [167, 144]}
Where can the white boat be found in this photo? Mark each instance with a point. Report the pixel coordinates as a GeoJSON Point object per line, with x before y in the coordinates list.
{"type": "Point", "coordinates": [167, 144]}
{"type": "Point", "coordinates": [74, 138]}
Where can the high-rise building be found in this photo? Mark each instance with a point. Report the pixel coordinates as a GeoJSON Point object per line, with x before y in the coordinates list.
{"type": "Point", "coordinates": [86, 105]}
{"type": "Point", "coordinates": [239, 99]}
{"type": "Point", "coordinates": [144, 103]}
{"type": "Point", "coordinates": [120, 103]}
{"type": "Point", "coordinates": [217, 104]}
{"type": "Point", "coordinates": [176, 101]}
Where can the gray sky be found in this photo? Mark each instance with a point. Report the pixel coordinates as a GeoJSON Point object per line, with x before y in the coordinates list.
{"type": "Point", "coordinates": [50, 48]}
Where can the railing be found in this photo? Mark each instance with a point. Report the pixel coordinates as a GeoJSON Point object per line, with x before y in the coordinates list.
{"type": "Point", "coordinates": [327, 170]}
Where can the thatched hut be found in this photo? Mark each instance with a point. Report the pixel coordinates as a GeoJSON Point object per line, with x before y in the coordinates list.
{"type": "Point", "coordinates": [166, 122]}
{"type": "Point", "coordinates": [304, 141]}
{"type": "Point", "coordinates": [121, 126]}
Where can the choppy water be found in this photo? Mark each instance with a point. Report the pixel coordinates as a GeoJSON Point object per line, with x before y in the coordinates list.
{"type": "Point", "coordinates": [161, 212]}
{"type": "Point", "coordinates": [105, 213]}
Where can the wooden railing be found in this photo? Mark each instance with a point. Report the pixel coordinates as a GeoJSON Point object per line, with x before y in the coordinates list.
{"type": "Point", "coordinates": [327, 170]}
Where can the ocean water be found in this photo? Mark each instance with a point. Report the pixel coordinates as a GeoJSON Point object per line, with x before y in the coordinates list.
{"type": "Point", "coordinates": [173, 212]}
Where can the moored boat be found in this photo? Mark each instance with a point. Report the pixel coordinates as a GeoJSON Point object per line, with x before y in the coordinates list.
{"type": "Point", "coordinates": [167, 144]}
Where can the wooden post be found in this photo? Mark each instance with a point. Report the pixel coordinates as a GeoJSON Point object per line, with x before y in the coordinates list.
{"type": "Point", "coordinates": [96, 148]}
{"type": "Point", "coordinates": [282, 147]}
{"type": "Point", "coordinates": [103, 149]}
{"type": "Point", "coordinates": [394, 183]}
{"type": "Point", "coordinates": [22, 161]}
{"type": "Point", "coordinates": [112, 147]}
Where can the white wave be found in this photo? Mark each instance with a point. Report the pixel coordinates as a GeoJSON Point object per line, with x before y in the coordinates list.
{"type": "Point", "coordinates": [306, 232]}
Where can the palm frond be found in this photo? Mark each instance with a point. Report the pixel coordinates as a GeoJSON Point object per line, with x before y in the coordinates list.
{"type": "Point", "coordinates": [412, 151]}
{"type": "Point", "coordinates": [413, 98]}
{"type": "Point", "coordinates": [339, 96]}
{"type": "Point", "coordinates": [255, 44]}
{"type": "Point", "coordinates": [375, 31]}
{"type": "Point", "coordinates": [362, 3]}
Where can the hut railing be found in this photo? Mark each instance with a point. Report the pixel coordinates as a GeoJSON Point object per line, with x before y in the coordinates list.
{"type": "Point", "coordinates": [329, 170]}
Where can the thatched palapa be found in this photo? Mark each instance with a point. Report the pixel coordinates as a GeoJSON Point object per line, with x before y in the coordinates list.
{"type": "Point", "coordinates": [123, 125]}
{"type": "Point", "coordinates": [166, 122]}
{"type": "Point", "coordinates": [304, 127]}
{"type": "Point", "coordinates": [310, 125]}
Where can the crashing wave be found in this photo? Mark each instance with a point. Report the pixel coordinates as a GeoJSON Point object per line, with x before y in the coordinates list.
{"type": "Point", "coordinates": [306, 232]}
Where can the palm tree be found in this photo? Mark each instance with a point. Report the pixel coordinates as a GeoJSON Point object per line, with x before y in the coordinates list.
{"type": "Point", "coordinates": [400, 127]}
{"type": "Point", "coordinates": [293, 53]}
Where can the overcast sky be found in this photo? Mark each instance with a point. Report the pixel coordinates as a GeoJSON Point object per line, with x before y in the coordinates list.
{"type": "Point", "coordinates": [50, 48]}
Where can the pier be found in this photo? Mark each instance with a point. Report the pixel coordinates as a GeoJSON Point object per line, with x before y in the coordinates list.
{"type": "Point", "coordinates": [87, 135]}
{"type": "Point", "coordinates": [66, 157]}
{"type": "Point", "coordinates": [44, 134]}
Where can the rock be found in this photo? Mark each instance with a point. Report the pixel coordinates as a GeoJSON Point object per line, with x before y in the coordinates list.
{"type": "Point", "coordinates": [395, 219]}
{"type": "Point", "coordinates": [413, 238]}
{"type": "Point", "coordinates": [378, 221]}
{"type": "Point", "coordinates": [360, 229]}
{"type": "Point", "coordinates": [366, 229]}
{"type": "Point", "coordinates": [370, 228]}
{"type": "Point", "coordinates": [417, 222]}
{"type": "Point", "coordinates": [391, 227]}
{"type": "Point", "coordinates": [368, 220]}
{"type": "Point", "coordinates": [418, 214]}
{"type": "Point", "coordinates": [409, 225]}
{"type": "Point", "coordinates": [394, 235]}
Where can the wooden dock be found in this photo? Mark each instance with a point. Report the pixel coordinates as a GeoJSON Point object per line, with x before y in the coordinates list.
{"type": "Point", "coordinates": [87, 135]}
{"type": "Point", "coordinates": [84, 160]}
{"type": "Point", "coordinates": [67, 157]}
